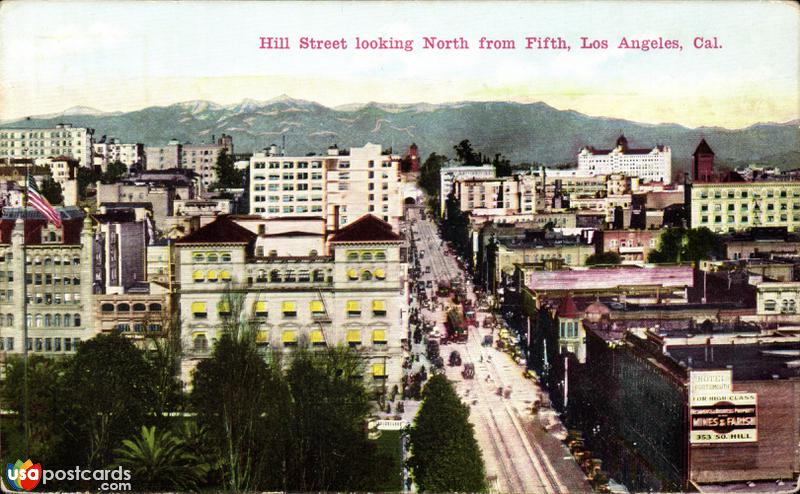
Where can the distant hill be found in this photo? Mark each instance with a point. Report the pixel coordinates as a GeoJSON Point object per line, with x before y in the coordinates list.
{"type": "Point", "coordinates": [522, 132]}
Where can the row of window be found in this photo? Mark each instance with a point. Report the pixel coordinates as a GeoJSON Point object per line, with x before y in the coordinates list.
{"type": "Point", "coordinates": [731, 194]}
{"type": "Point", "coordinates": [274, 177]}
{"type": "Point", "coordinates": [137, 328]}
{"type": "Point", "coordinates": [43, 344]}
{"type": "Point", "coordinates": [286, 198]}
{"type": "Point", "coordinates": [290, 209]}
{"type": "Point", "coordinates": [289, 309]}
{"type": "Point", "coordinates": [126, 307]}
{"type": "Point", "coordinates": [50, 279]}
{"type": "Point", "coordinates": [198, 257]}
{"type": "Point", "coordinates": [290, 276]}
{"type": "Point", "coordinates": [49, 320]}
{"type": "Point", "coordinates": [276, 165]}
{"type": "Point", "coordinates": [746, 219]}
{"type": "Point", "coordinates": [788, 306]}
{"type": "Point", "coordinates": [51, 298]}
{"type": "Point", "coordinates": [366, 274]}
{"type": "Point", "coordinates": [366, 255]}
{"type": "Point", "coordinates": [47, 261]}
{"type": "Point", "coordinates": [744, 206]}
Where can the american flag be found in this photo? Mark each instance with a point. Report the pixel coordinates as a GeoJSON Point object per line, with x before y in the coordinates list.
{"type": "Point", "coordinates": [39, 203]}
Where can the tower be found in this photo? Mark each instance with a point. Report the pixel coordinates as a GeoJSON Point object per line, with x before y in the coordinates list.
{"type": "Point", "coordinates": [703, 168]}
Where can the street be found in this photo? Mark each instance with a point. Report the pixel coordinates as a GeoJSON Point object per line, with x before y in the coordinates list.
{"type": "Point", "coordinates": [519, 455]}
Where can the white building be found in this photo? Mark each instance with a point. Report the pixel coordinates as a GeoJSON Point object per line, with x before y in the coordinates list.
{"type": "Point", "coordinates": [351, 291]}
{"type": "Point", "coordinates": [339, 187]}
{"type": "Point", "coordinates": [452, 172]}
{"type": "Point", "coordinates": [63, 140]}
{"type": "Point", "coordinates": [110, 150]}
{"type": "Point", "coordinates": [651, 165]}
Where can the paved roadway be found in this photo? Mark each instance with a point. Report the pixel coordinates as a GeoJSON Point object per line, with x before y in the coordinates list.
{"type": "Point", "coordinates": [519, 456]}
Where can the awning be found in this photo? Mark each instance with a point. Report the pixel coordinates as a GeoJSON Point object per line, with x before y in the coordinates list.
{"type": "Point", "coordinates": [354, 336]}
{"type": "Point", "coordinates": [198, 275]}
{"type": "Point", "coordinates": [379, 336]}
{"type": "Point", "coordinates": [352, 274]}
{"type": "Point", "coordinates": [317, 306]}
{"type": "Point", "coordinates": [260, 307]}
{"type": "Point", "coordinates": [380, 273]}
{"type": "Point", "coordinates": [353, 306]}
{"type": "Point", "coordinates": [199, 308]}
{"type": "Point", "coordinates": [262, 336]}
{"type": "Point", "coordinates": [379, 370]}
{"type": "Point", "coordinates": [224, 307]}
{"type": "Point", "coordinates": [289, 337]}
{"type": "Point", "coordinates": [195, 334]}
{"type": "Point", "coordinates": [379, 306]}
{"type": "Point", "coordinates": [316, 337]}
{"type": "Point", "coordinates": [225, 276]}
{"type": "Point", "coordinates": [289, 307]}
{"type": "Point", "coordinates": [212, 275]}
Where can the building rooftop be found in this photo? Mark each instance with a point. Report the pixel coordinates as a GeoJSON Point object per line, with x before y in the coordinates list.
{"type": "Point", "coordinates": [368, 228]}
{"type": "Point", "coordinates": [748, 361]}
{"type": "Point", "coordinates": [610, 278]}
{"type": "Point", "coordinates": [220, 231]}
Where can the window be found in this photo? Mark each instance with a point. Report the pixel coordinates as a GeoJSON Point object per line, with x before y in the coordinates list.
{"type": "Point", "coordinates": [353, 308]}
{"type": "Point", "coordinates": [366, 275]}
{"type": "Point", "coordinates": [352, 274]}
{"type": "Point", "coordinates": [317, 338]}
{"type": "Point", "coordinates": [224, 308]}
{"type": "Point", "coordinates": [155, 307]}
{"type": "Point", "coordinates": [139, 307]}
{"type": "Point", "coordinates": [123, 308]}
{"type": "Point", "coordinates": [354, 337]}
{"type": "Point", "coordinates": [107, 308]}
{"type": "Point", "coordinates": [770, 305]}
{"type": "Point", "coordinates": [378, 337]}
{"type": "Point", "coordinates": [260, 308]}
{"type": "Point", "coordinates": [199, 310]}
{"type": "Point", "coordinates": [289, 337]}
{"type": "Point", "coordinates": [378, 308]}
{"type": "Point", "coordinates": [289, 309]}
{"type": "Point", "coordinates": [198, 276]}
{"type": "Point", "coordinates": [200, 342]}
{"type": "Point", "coordinates": [380, 274]}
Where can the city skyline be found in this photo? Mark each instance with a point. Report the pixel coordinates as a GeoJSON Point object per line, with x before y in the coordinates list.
{"type": "Point", "coordinates": [168, 53]}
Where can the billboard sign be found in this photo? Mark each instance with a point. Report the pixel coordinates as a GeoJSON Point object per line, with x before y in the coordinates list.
{"type": "Point", "coordinates": [717, 414]}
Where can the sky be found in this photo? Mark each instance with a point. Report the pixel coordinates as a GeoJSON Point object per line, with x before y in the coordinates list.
{"type": "Point", "coordinates": [123, 56]}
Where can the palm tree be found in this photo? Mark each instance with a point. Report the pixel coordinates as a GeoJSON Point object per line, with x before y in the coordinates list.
{"type": "Point", "coordinates": [160, 460]}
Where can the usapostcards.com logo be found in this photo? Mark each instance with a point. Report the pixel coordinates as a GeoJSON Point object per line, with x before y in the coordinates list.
{"type": "Point", "coordinates": [26, 476]}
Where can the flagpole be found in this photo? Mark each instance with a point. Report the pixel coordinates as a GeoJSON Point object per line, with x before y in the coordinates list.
{"type": "Point", "coordinates": [25, 404]}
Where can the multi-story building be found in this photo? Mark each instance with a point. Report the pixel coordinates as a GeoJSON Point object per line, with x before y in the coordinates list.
{"type": "Point", "coordinates": [649, 164]}
{"type": "Point", "coordinates": [110, 150]}
{"type": "Point", "coordinates": [497, 196]}
{"type": "Point", "coordinates": [352, 293]}
{"type": "Point", "coordinates": [56, 274]}
{"type": "Point", "coordinates": [735, 206]}
{"type": "Point", "coordinates": [633, 246]}
{"type": "Point", "coordinates": [202, 158]}
{"type": "Point", "coordinates": [164, 157]}
{"type": "Point", "coordinates": [340, 186]}
{"type": "Point", "coordinates": [452, 172]}
{"type": "Point", "coordinates": [63, 140]}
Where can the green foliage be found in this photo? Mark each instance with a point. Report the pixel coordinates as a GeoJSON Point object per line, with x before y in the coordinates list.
{"type": "Point", "coordinates": [227, 174]}
{"type": "Point", "coordinates": [242, 404]}
{"type": "Point", "coordinates": [87, 177]}
{"type": "Point", "coordinates": [111, 396]}
{"type": "Point", "coordinates": [114, 172]}
{"type": "Point", "coordinates": [51, 190]}
{"type": "Point", "coordinates": [466, 154]}
{"type": "Point", "coordinates": [603, 258]}
{"type": "Point", "coordinates": [445, 455]}
{"type": "Point", "coordinates": [456, 227]}
{"type": "Point", "coordinates": [683, 245]}
{"type": "Point", "coordinates": [160, 460]}
{"type": "Point", "coordinates": [502, 165]}
{"type": "Point", "coordinates": [429, 174]}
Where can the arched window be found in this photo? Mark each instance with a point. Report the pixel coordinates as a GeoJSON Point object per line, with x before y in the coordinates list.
{"type": "Point", "coordinates": [212, 276]}
{"type": "Point", "coordinates": [47, 261]}
{"type": "Point", "coordinates": [225, 257]}
{"type": "Point", "coordinates": [261, 276]}
{"type": "Point", "coordinates": [57, 320]}
{"type": "Point", "coordinates": [155, 307]}
{"type": "Point", "coordinates": [352, 256]}
{"type": "Point", "coordinates": [67, 320]}
{"type": "Point", "coordinates": [123, 307]}
{"type": "Point", "coordinates": [10, 319]}
{"type": "Point", "coordinates": [48, 320]}
{"type": "Point", "coordinates": [57, 260]}
{"type": "Point", "coordinates": [366, 256]}
{"type": "Point", "coordinates": [366, 275]}
{"type": "Point", "coordinates": [139, 307]}
{"type": "Point", "coordinates": [319, 275]}
{"type": "Point", "coordinates": [198, 257]}
{"type": "Point", "coordinates": [107, 308]}
{"type": "Point", "coordinates": [313, 253]}
{"type": "Point", "coordinates": [380, 256]}
{"type": "Point", "coordinates": [212, 257]}
{"type": "Point", "coordinates": [275, 276]}
{"type": "Point", "coordinates": [38, 320]}
{"type": "Point", "coordinates": [200, 343]}
{"type": "Point", "coordinates": [37, 260]}
{"type": "Point", "coordinates": [77, 320]}
{"type": "Point", "coordinates": [76, 260]}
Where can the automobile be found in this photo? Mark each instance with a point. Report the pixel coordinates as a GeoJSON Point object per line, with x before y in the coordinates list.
{"type": "Point", "coordinates": [427, 269]}
{"type": "Point", "coordinates": [455, 359]}
{"type": "Point", "coordinates": [469, 371]}
{"type": "Point", "coordinates": [487, 340]}
{"type": "Point", "coordinates": [429, 284]}
{"type": "Point", "coordinates": [421, 285]}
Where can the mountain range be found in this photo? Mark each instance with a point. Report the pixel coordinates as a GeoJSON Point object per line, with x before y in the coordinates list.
{"type": "Point", "coordinates": [523, 132]}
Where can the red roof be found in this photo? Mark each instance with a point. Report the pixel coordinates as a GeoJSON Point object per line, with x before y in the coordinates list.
{"type": "Point", "coordinates": [220, 231]}
{"type": "Point", "coordinates": [567, 308]}
{"type": "Point", "coordinates": [70, 231]}
{"type": "Point", "coordinates": [368, 228]}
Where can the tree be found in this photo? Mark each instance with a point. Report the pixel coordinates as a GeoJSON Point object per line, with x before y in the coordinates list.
{"type": "Point", "coordinates": [227, 174]}
{"type": "Point", "coordinates": [429, 174]}
{"type": "Point", "coordinates": [114, 172]}
{"type": "Point", "coordinates": [445, 454]}
{"type": "Point", "coordinates": [603, 258]}
{"type": "Point", "coordinates": [160, 460]}
{"type": "Point", "coordinates": [682, 245]}
{"type": "Point", "coordinates": [502, 165]}
{"type": "Point", "coordinates": [243, 405]}
{"type": "Point", "coordinates": [46, 398]}
{"type": "Point", "coordinates": [466, 154]}
{"type": "Point", "coordinates": [51, 190]}
{"type": "Point", "coordinates": [87, 177]}
{"type": "Point", "coordinates": [329, 408]}
{"type": "Point", "coordinates": [111, 396]}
